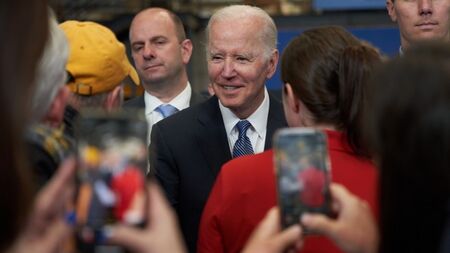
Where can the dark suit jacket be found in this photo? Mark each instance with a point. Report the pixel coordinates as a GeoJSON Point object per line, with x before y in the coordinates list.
{"type": "Point", "coordinates": [187, 151]}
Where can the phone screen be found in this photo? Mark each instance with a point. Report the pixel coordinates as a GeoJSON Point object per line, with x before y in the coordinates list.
{"type": "Point", "coordinates": [113, 159]}
{"type": "Point", "coordinates": [303, 173]}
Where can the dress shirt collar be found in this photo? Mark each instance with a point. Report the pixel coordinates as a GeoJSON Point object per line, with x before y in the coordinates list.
{"type": "Point", "coordinates": [181, 101]}
{"type": "Point", "coordinates": [258, 119]}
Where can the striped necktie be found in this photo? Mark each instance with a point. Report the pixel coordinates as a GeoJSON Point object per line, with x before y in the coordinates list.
{"type": "Point", "coordinates": [242, 146]}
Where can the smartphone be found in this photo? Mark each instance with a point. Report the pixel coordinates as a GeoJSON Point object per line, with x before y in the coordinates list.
{"type": "Point", "coordinates": [112, 156]}
{"type": "Point", "coordinates": [303, 173]}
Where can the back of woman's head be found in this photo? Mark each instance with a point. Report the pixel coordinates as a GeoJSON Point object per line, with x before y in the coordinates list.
{"type": "Point", "coordinates": [23, 32]}
{"type": "Point", "coordinates": [327, 68]}
{"type": "Point", "coordinates": [409, 130]}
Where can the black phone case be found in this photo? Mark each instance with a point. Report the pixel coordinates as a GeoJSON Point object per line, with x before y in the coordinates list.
{"type": "Point", "coordinates": [303, 173]}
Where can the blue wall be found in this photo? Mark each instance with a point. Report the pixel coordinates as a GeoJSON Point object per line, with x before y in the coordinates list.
{"type": "Point", "coordinates": [324, 5]}
{"type": "Point", "coordinates": [386, 39]}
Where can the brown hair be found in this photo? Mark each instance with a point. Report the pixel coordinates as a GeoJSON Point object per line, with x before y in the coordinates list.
{"type": "Point", "coordinates": [23, 29]}
{"type": "Point", "coordinates": [327, 68]}
{"type": "Point", "coordinates": [408, 125]}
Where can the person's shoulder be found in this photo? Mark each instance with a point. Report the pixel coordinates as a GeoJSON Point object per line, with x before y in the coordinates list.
{"type": "Point", "coordinates": [189, 114]}
{"type": "Point", "coordinates": [248, 165]}
{"type": "Point", "coordinates": [247, 173]}
{"type": "Point", "coordinates": [135, 102]}
{"type": "Point", "coordinates": [275, 95]}
{"type": "Point", "coordinates": [198, 97]}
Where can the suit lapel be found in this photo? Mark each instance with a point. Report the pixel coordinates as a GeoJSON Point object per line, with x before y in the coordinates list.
{"type": "Point", "coordinates": [275, 120]}
{"type": "Point", "coordinates": [212, 137]}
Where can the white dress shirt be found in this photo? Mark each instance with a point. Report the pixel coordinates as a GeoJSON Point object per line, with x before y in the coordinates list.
{"type": "Point", "coordinates": [256, 133]}
{"type": "Point", "coordinates": [151, 103]}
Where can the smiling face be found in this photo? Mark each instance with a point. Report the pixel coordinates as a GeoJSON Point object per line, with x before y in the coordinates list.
{"type": "Point", "coordinates": [158, 53]}
{"type": "Point", "coordinates": [420, 19]}
{"type": "Point", "coordinates": [238, 66]}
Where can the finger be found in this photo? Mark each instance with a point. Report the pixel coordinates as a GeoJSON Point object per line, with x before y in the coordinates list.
{"type": "Point", "coordinates": [128, 237]}
{"type": "Point", "coordinates": [60, 181]}
{"type": "Point", "coordinates": [270, 225]}
{"type": "Point", "coordinates": [319, 223]}
{"type": "Point", "coordinates": [339, 192]}
{"type": "Point", "coordinates": [289, 237]}
{"type": "Point", "coordinates": [158, 207]}
{"type": "Point", "coordinates": [50, 201]}
{"type": "Point", "coordinates": [64, 175]}
{"type": "Point", "coordinates": [56, 235]}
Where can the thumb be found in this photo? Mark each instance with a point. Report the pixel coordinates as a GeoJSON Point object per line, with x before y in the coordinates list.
{"type": "Point", "coordinates": [128, 237]}
{"type": "Point", "coordinates": [319, 223]}
{"type": "Point", "coordinates": [288, 237]}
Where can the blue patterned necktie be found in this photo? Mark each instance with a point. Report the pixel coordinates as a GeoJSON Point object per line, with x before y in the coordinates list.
{"type": "Point", "coordinates": [166, 110]}
{"type": "Point", "coordinates": [242, 146]}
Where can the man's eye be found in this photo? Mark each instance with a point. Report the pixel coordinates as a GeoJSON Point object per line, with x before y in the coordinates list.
{"type": "Point", "coordinates": [216, 58]}
{"type": "Point", "coordinates": [160, 42]}
{"type": "Point", "coordinates": [137, 48]}
{"type": "Point", "coordinates": [242, 59]}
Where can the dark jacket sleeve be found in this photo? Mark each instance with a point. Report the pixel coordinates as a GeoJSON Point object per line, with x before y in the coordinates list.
{"type": "Point", "coordinates": [162, 165]}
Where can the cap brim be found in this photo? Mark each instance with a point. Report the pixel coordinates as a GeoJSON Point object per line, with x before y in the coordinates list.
{"type": "Point", "coordinates": [134, 75]}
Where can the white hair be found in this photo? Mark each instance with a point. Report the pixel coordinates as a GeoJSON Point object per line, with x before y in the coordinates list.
{"type": "Point", "coordinates": [268, 33]}
{"type": "Point", "coordinates": [51, 71]}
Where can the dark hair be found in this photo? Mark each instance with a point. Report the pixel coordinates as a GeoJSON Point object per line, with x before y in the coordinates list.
{"type": "Point", "coordinates": [408, 125]}
{"type": "Point", "coordinates": [23, 32]}
{"type": "Point", "coordinates": [327, 68]}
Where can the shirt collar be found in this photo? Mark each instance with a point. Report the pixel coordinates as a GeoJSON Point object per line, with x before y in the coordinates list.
{"type": "Point", "coordinates": [258, 119]}
{"type": "Point", "coordinates": [181, 101]}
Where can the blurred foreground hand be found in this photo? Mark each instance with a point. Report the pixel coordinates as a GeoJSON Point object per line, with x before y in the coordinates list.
{"type": "Point", "coordinates": [48, 228]}
{"type": "Point", "coordinates": [268, 237]}
{"type": "Point", "coordinates": [354, 230]}
{"type": "Point", "coordinates": [161, 235]}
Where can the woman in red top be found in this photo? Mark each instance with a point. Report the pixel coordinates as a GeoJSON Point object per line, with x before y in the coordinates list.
{"type": "Point", "coordinates": [324, 71]}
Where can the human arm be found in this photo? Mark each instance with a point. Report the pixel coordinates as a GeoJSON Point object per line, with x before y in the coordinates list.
{"type": "Point", "coordinates": [354, 230]}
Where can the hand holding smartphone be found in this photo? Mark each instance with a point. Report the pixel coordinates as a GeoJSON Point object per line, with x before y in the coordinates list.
{"type": "Point", "coordinates": [113, 159]}
{"type": "Point", "coordinates": [303, 173]}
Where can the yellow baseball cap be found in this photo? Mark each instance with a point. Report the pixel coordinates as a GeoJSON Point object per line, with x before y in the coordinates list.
{"type": "Point", "coordinates": [97, 60]}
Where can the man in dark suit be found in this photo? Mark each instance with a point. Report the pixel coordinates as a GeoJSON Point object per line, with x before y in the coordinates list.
{"type": "Point", "coordinates": [188, 149]}
{"type": "Point", "coordinates": [161, 52]}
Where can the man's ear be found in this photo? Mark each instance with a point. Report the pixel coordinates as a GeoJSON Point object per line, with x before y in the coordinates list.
{"type": "Point", "coordinates": [273, 61]}
{"type": "Point", "coordinates": [55, 113]}
{"type": "Point", "coordinates": [391, 10]}
{"type": "Point", "coordinates": [186, 50]}
{"type": "Point", "coordinates": [114, 98]}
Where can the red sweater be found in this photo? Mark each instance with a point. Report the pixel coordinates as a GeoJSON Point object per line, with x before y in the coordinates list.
{"type": "Point", "coordinates": [246, 189]}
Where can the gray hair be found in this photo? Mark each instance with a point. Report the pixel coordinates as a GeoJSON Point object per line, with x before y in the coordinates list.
{"type": "Point", "coordinates": [268, 33]}
{"type": "Point", "coordinates": [92, 101]}
{"type": "Point", "coordinates": [51, 71]}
